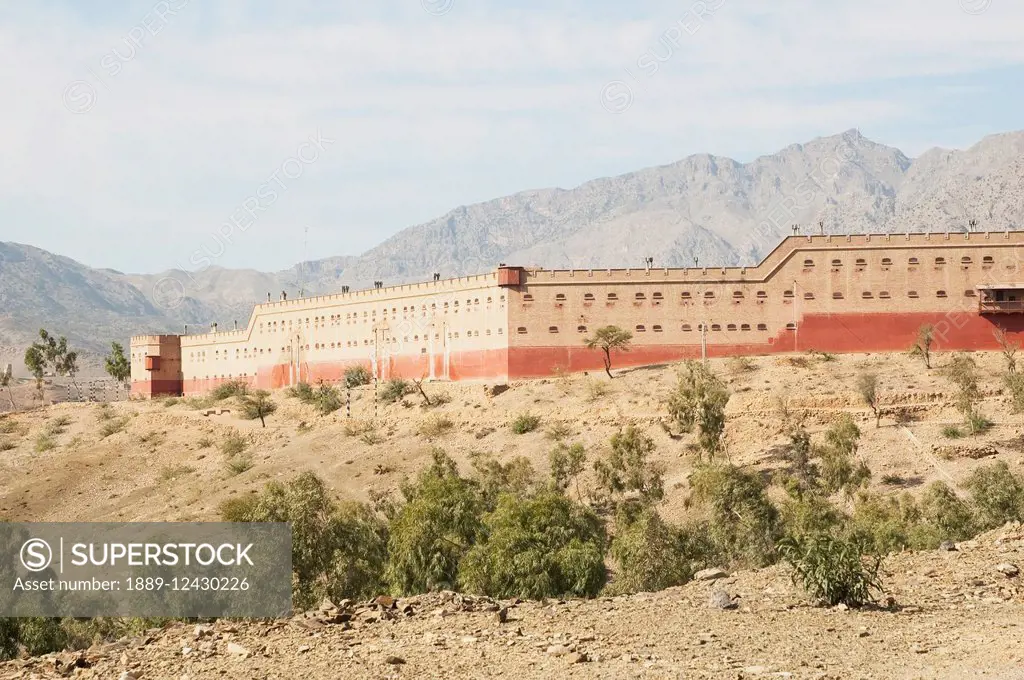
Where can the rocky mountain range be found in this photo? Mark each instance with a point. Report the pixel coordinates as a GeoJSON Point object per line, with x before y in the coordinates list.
{"type": "Point", "coordinates": [705, 208]}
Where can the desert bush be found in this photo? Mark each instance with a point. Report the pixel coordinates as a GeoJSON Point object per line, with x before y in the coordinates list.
{"type": "Point", "coordinates": [839, 471]}
{"type": "Point", "coordinates": [1015, 384]}
{"type": "Point", "coordinates": [951, 517]}
{"type": "Point", "coordinates": [525, 422]}
{"type": "Point", "coordinates": [595, 389]}
{"type": "Point", "coordinates": [740, 364]}
{"type": "Point", "coordinates": [393, 390]}
{"type": "Point", "coordinates": [952, 432]}
{"type": "Point", "coordinates": [978, 423]}
{"type": "Point", "coordinates": [232, 388]}
{"type": "Point", "coordinates": [338, 551]}
{"type": "Point", "coordinates": [832, 569]}
{"type": "Point", "coordinates": [818, 355]}
{"type": "Point", "coordinates": [112, 427]}
{"type": "Point", "coordinates": [171, 401]}
{"type": "Point", "coordinates": [236, 465]}
{"type": "Point", "coordinates": [8, 426]}
{"type": "Point", "coordinates": [171, 472]}
{"type": "Point", "coordinates": [433, 530]}
{"type": "Point", "coordinates": [886, 523]}
{"type": "Point", "coordinates": [233, 444]}
{"type": "Point", "coordinates": [6, 444]}
{"type": "Point", "coordinates": [558, 431]}
{"type": "Point", "coordinates": [204, 442]}
{"type": "Point", "coordinates": [867, 387]}
{"type": "Point", "coordinates": [39, 635]}
{"type": "Point", "coordinates": [257, 404]}
{"type": "Point", "coordinates": [649, 553]}
{"type": "Point", "coordinates": [626, 469]}
{"type": "Point", "coordinates": [744, 525]}
{"type": "Point", "coordinates": [45, 442]}
{"type": "Point", "coordinates": [493, 478]}
{"type": "Point", "coordinates": [540, 546]}
{"type": "Point", "coordinates": [434, 427]}
{"type": "Point", "coordinates": [810, 513]}
{"type": "Point", "coordinates": [326, 399]}
{"type": "Point", "coordinates": [57, 426]}
{"type": "Point", "coordinates": [371, 438]}
{"type": "Point", "coordinates": [104, 412]}
{"type": "Point", "coordinates": [356, 376]}
{"type": "Point", "coordinates": [302, 391]}
{"type": "Point", "coordinates": [567, 464]}
{"type": "Point", "coordinates": [699, 402]}
{"type": "Point", "coordinates": [198, 403]}
{"type": "Point", "coordinates": [355, 427]}
{"type": "Point", "coordinates": [922, 346]}
{"type": "Point", "coordinates": [997, 495]}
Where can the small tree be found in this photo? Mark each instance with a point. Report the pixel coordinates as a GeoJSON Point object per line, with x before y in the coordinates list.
{"type": "Point", "coordinates": [356, 376]}
{"type": "Point", "coordinates": [650, 554]}
{"type": "Point", "coordinates": [838, 471]}
{"type": "Point", "coordinates": [35, 362]}
{"type": "Point", "coordinates": [627, 469]}
{"type": "Point", "coordinates": [867, 386]}
{"type": "Point", "coordinates": [1009, 350]}
{"type": "Point", "coordinates": [832, 569]}
{"type": "Point", "coordinates": [258, 405]}
{"type": "Point", "coordinates": [963, 372]}
{"type": "Point", "coordinates": [699, 400]}
{"type": "Point", "coordinates": [567, 464]}
{"type": "Point", "coordinates": [6, 378]}
{"type": "Point", "coordinates": [63, 360]}
{"type": "Point", "coordinates": [117, 365]}
{"type": "Point", "coordinates": [606, 339]}
{"type": "Point", "coordinates": [922, 346]}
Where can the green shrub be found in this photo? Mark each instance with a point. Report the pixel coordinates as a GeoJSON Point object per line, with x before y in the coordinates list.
{"type": "Point", "coordinates": [834, 570]}
{"type": "Point", "coordinates": [952, 432]}
{"type": "Point", "coordinates": [699, 403]}
{"type": "Point", "coordinates": [57, 426]}
{"type": "Point", "coordinates": [233, 444]}
{"type": "Point", "coordinates": [435, 427]}
{"type": "Point", "coordinates": [302, 391]}
{"type": "Point", "coordinates": [433, 530]}
{"type": "Point", "coordinates": [6, 444]}
{"type": "Point", "coordinates": [627, 471]}
{"type": "Point", "coordinates": [8, 426]}
{"type": "Point", "coordinates": [393, 390]}
{"type": "Point", "coordinates": [112, 427]}
{"type": "Point", "coordinates": [104, 412]}
{"type": "Point", "coordinates": [744, 525]}
{"type": "Point", "coordinates": [525, 422]}
{"type": "Point", "coordinates": [559, 431]}
{"type": "Point", "coordinates": [257, 405]}
{"type": "Point", "coordinates": [567, 464]}
{"type": "Point", "coordinates": [45, 442]}
{"type": "Point", "coordinates": [356, 376]}
{"type": "Point", "coordinates": [978, 423]}
{"type": "Point", "coordinates": [171, 401]}
{"type": "Point", "coordinates": [327, 399]}
{"type": "Point", "coordinates": [338, 551]}
{"type": "Point", "coordinates": [997, 495]}
{"type": "Point", "coordinates": [238, 464]}
{"type": "Point", "coordinates": [839, 471]}
{"type": "Point", "coordinates": [232, 388]}
{"type": "Point", "coordinates": [951, 517]}
{"type": "Point", "coordinates": [493, 478]}
{"type": "Point", "coordinates": [649, 554]}
{"type": "Point", "coordinates": [541, 546]}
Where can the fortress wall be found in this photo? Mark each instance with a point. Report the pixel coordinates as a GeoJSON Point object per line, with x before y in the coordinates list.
{"type": "Point", "coordinates": [866, 293]}
{"type": "Point", "coordinates": [156, 365]}
{"type": "Point", "coordinates": [828, 293]}
{"type": "Point", "coordinates": [453, 328]}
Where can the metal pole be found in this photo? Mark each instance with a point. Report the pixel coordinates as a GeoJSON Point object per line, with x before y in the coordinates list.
{"type": "Point", "coordinates": [704, 343]}
{"type": "Point", "coordinates": [348, 401]}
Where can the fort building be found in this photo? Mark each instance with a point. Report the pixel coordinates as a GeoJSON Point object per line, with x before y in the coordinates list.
{"type": "Point", "coordinates": [849, 293]}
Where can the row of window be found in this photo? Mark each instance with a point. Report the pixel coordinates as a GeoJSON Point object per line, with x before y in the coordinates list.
{"type": "Point", "coordinates": [738, 295]}
{"type": "Point", "coordinates": [640, 328]}
{"type": "Point", "coordinates": [335, 319]}
{"type": "Point", "coordinates": [913, 261]}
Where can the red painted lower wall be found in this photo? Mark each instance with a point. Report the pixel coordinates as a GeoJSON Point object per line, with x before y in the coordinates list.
{"type": "Point", "coordinates": [824, 332]}
{"type": "Point", "coordinates": [840, 333]}
{"type": "Point", "coordinates": [155, 388]}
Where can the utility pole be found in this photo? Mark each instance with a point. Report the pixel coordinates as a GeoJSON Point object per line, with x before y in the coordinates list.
{"type": "Point", "coordinates": [704, 343]}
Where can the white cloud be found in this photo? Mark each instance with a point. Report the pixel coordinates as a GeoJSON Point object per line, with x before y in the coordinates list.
{"type": "Point", "coordinates": [431, 112]}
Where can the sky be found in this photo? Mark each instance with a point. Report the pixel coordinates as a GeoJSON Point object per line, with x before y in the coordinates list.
{"type": "Point", "coordinates": [136, 134]}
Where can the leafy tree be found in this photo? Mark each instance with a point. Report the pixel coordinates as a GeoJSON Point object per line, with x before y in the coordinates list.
{"type": "Point", "coordinates": [35, 362]}
{"type": "Point", "coordinates": [799, 452]}
{"type": "Point", "coordinates": [963, 372]}
{"type": "Point", "coordinates": [540, 546]}
{"type": "Point", "coordinates": [63, 360]}
{"type": "Point", "coordinates": [567, 464]}
{"type": "Point", "coordinates": [997, 495]}
{"type": "Point", "coordinates": [867, 386]}
{"type": "Point", "coordinates": [838, 470]}
{"type": "Point", "coordinates": [744, 524]}
{"type": "Point", "coordinates": [699, 401]}
{"type": "Point", "coordinates": [258, 405]}
{"type": "Point", "coordinates": [493, 478]}
{"type": "Point", "coordinates": [606, 339]}
{"type": "Point", "coordinates": [338, 551]}
{"type": "Point", "coordinates": [627, 469]}
{"type": "Point", "coordinates": [433, 530]}
{"type": "Point", "coordinates": [356, 376]}
{"type": "Point", "coordinates": [117, 365]}
{"type": "Point", "coordinates": [951, 517]}
{"type": "Point", "coordinates": [6, 378]}
{"type": "Point", "coordinates": [832, 569]}
{"type": "Point", "coordinates": [922, 346]}
{"type": "Point", "coordinates": [650, 554]}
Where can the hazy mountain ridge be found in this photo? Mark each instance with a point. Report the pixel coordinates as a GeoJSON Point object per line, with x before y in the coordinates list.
{"type": "Point", "coordinates": [703, 206]}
